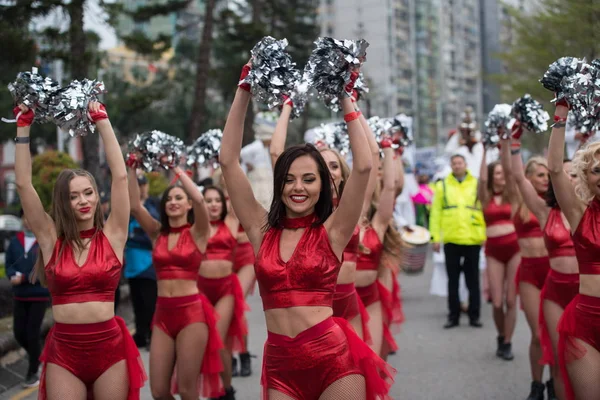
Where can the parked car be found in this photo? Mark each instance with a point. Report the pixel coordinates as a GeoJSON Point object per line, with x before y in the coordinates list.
{"type": "Point", "coordinates": [9, 226]}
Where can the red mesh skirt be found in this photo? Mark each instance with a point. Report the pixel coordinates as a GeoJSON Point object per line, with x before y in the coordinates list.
{"type": "Point", "coordinates": [581, 320]}
{"type": "Point", "coordinates": [348, 305]}
{"type": "Point", "coordinates": [88, 350]}
{"type": "Point", "coordinates": [175, 313]}
{"type": "Point", "coordinates": [217, 288]}
{"type": "Point", "coordinates": [373, 293]}
{"type": "Point", "coordinates": [304, 366]}
{"type": "Point", "coordinates": [502, 248]}
{"type": "Point", "coordinates": [390, 314]}
{"type": "Point", "coordinates": [244, 255]}
{"type": "Point", "coordinates": [561, 289]}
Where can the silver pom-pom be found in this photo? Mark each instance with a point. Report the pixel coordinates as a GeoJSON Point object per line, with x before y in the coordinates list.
{"type": "Point", "coordinates": [157, 150]}
{"type": "Point", "coordinates": [496, 125]}
{"type": "Point", "coordinates": [530, 114]}
{"type": "Point", "coordinates": [273, 73]}
{"type": "Point", "coordinates": [205, 149]}
{"type": "Point", "coordinates": [299, 96]}
{"type": "Point", "coordinates": [557, 71]}
{"type": "Point", "coordinates": [330, 65]}
{"type": "Point", "coordinates": [69, 107]}
{"type": "Point", "coordinates": [34, 91]}
{"type": "Point", "coordinates": [334, 135]}
{"type": "Point", "coordinates": [333, 102]}
{"type": "Point", "coordinates": [361, 85]}
{"type": "Point", "coordinates": [582, 92]}
{"type": "Point", "coordinates": [402, 127]}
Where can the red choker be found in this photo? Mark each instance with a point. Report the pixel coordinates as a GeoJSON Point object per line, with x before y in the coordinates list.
{"type": "Point", "coordinates": [88, 233]}
{"type": "Point", "coordinates": [297, 223]}
{"type": "Point", "coordinates": [216, 222]}
{"type": "Point", "coordinates": [179, 229]}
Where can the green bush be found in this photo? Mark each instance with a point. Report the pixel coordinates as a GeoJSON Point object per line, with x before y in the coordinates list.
{"type": "Point", "coordinates": [45, 169]}
{"type": "Point", "coordinates": [157, 182]}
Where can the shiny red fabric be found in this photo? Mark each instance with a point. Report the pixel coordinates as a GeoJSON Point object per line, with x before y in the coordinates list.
{"type": "Point", "coordinates": [181, 262]}
{"type": "Point", "coordinates": [221, 246]}
{"type": "Point", "coordinates": [96, 280]}
{"type": "Point", "coordinates": [561, 289]}
{"type": "Point", "coordinates": [495, 214]}
{"type": "Point", "coordinates": [88, 350]}
{"type": "Point", "coordinates": [351, 250]}
{"type": "Point", "coordinates": [581, 320]}
{"type": "Point", "coordinates": [527, 229]}
{"type": "Point", "coordinates": [370, 255]}
{"type": "Point", "coordinates": [392, 315]}
{"type": "Point", "coordinates": [244, 255]}
{"type": "Point", "coordinates": [587, 240]}
{"type": "Point", "coordinates": [304, 366]}
{"type": "Point", "coordinates": [308, 278]}
{"type": "Point", "coordinates": [502, 248]}
{"type": "Point", "coordinates": [175, 313]}
{"type": "Point", "coordinates": [368, 294]}
{"type": "Point", "coordinates": [533, 270]}
{"type": "Point", "coordinates": [217, 288]}
{"type": "Point", "coordinates": [347, 305]}
{"type": "Point", "coordinates": [557, 237]}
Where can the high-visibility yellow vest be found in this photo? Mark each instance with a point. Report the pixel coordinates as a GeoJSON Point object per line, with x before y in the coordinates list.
{"type": "Point", "coordinates": [456, 215]}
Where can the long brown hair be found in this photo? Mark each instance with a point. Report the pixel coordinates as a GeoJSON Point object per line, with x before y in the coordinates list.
{"type": "Point", "coordinates": [343, 166]}
{"type": "Point", "coordinates": [392, 241]}
{"type": "Point", "coordinates": [490, 183]}
{"type": "Point", "coordinates": [530, 167]}
{"type": "Point", "coordinates": [64, 219]}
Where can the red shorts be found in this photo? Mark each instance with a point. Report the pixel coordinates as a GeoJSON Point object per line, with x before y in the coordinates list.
{"type": "Point", "coordinates": [88, 350]}
{"type": "Point", "coordinates": [502, 248]}
{"type": "Point", "coordinates": [217, 288]}
{"type": "Point", "coordinates": [347, 305]}
{"type": "Point", "coordinates": [533, 271]}
{"type": "Point", "coordinates": [561, 289]}
{"type": "Point", "coordinates": [175, 313]}
{"type": "Point", "coordinates": [304, 366]}
{"type": "Point", "coordinates": [244, 255]}
{"type": "Point", "coordinates": [581, 320]}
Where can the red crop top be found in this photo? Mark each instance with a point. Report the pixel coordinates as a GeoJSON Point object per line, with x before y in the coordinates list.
{"type": "Point", "coordinates": [351, 250]}
{"type": "Point", "coordinates": [308, 278]}
{"type": "Point", "coordinates": [221, 246]}
{"type": "Point", "coordinates": [495, 214]}
{"type": "Point", "coordinates": [557, 237]}
{"type": "Point", "coordinates": [96, 280]}
{"type": "Point", "coordinates": [529, 229]}
{"type": "Point", "coordinates": [587, 240]}
{"type": "Point", "coordinates": [182, 261]}
{"type": "Point", "coordinates": [369, 258]}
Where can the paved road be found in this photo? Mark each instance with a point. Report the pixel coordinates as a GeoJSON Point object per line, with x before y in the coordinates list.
{"type": "Point", "coordinates": [432, 364]}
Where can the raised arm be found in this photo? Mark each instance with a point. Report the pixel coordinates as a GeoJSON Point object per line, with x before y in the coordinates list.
{"type": "Point", "coordinates": [507, 168]}
{"type": "Point", "coordinates": [201, 227]}
{"type": "Point", "coordinates": [572, 207]}
{"type": "Point", "coordinates": [139, 212]}
{"type": "Point", "coordinates": [387, 198]}
{"type": "Point", "coordinates": [374, 150]}
{"type": "Point", "coordinates": [43, 228]}
{"type": "Point", "coordinates": [534, 202]}
{"type": "Point", "coordinates": [399, 174]}
{"type": "Point", "coordinates": [342, 222]}
{"type": "Point", "coordinates": [251, 214]}
{"type": "Point", "coordinates": [482, 193]}
{"type": "Point", "coordinates": [280, 135]}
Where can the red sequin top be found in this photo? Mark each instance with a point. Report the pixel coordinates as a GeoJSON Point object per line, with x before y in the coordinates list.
{"type": "Point", "coordinates": [181, 262]}
{"type": "Point", "coordinates": [557, 237]}
{"type": "Point", "coordinates": [308, 278]}
{"type": "Point", "coordinates": [221, 246]}
{"type": "Point", "coordinates": [369, 257]}
{"type": "Point", "coordinates": [495, 214]}
{"type": "Point", "coordinates": [587, 240]}
{"type": "Point", "coordinates": [529, 229]}
{"type": "Point", "coordinates": [96, 280]}
{"type": "Point", "coordinates": [351, 250]}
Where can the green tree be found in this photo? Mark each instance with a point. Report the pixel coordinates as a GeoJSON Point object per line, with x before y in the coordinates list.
{"type": "Point", "coordinates": [45, 169]}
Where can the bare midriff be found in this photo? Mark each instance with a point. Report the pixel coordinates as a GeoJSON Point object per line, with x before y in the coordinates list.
{"type": "Point", "coordinates": [294, 320]}
{"type": "Point", "coordinates": [89, 312]}
{"type": "Point", "coordinates": [499, 230]}
{"type": "Point", "coordinates": [533, 247]}
{"type": "Point", "coordinates": [176, 287]}
{"type": "Point", "coordinates": [347, 273]}
{"type": "Point", "coordinates": [365, 278]}
{"type": "Point", "coordinates": [213, 269]}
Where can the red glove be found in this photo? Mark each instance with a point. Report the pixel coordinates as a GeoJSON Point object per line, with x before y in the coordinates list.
{"type": "Point", "coordinates": [242, 85]}
{"type": "Point", "coordinates": [517, 131]}
{"type": "Point", "coordinates": [350, 86]}
{"type": "Point", "coordinates": [99, 115]}
{"type": "Point", "coordinates": [132, 161]}
{"type": "Point", "coordinates": [288, 101]}
{"type": "Point", "coordinates": [562, 102]}
{"type": "Point", "coordinates": [354, 96]}
{"type": "Point", "coordinates": [23, 119]}
{"type": "Point", "coordinates": [386, 143]}
{"type": "Point", "coordinates": [319, 144]}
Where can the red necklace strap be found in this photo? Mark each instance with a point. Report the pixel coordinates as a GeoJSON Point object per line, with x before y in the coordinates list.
{"type": "Point", "coordinates": [498, 193]}
{"type": "Point", "coordinates": [178, 229]}
{"type": "Point", "coordinates": [88, 233]}
{"type": "Point", "coordinates": [216, 222]}
{"type": "Point", "coordinates": [297, 223]}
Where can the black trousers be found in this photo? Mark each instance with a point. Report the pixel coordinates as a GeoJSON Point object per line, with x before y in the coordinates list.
{"type": "Point", "coordinates": [27, 324]}
{"type": "Point", "coordinates": [469, 255]}
{"type": "Point", "coordinates": [143, 298]}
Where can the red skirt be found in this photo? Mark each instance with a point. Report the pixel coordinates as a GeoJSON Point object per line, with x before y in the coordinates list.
{"type": "Point", "coordinates": [561, 289]}
{"type": "Point", "coordinates": [244, 255]}
{"type": "Point", "coordinates": [533, 271]}
{"type": "Point", "coordinates": [88, 350]}
{"type": "Point", "coordinates": [348, 305]}
{"type": "Point", "coordinates": [304, 366]}
{"type": "Point", "coordinates": [581, 320]}
{"type": "Point", "coordinates": [377, 292]}
{"type": "Point", "coordinates": [217, 288]}
{"type": "Point", "coordinates": [175, 313]}
{"type": "Point", "coordinates": [502, 248]}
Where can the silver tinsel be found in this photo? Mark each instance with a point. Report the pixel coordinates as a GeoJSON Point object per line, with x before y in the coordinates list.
{"type": "Point", "coordinates": [361, 85]}
{"type": "Point", "coordinates": [402, 124]}
{"type": "Point", "coordinates": [69, 107]}
{"type": "Point", "coordinates": [582, 92]}
{"type": "Point", "coordinates": [333, 102]}
{"type": "Point", "coordinates": [205, 149]}
{"type": "Point", "coordinates": [157, 150]}
{"type": "Point", "coordinates": [299, 97]}
{"type": "Point", "coordinates": [497, 121]}
{"type": "Point", "coordinates": [273, 73]}
{"type": "Point", "coordinates": [330, 65]}
{"type": "Point", "coordinates": [335, 136]}
{"type": "Point", "coordinates": [530, 114]}
{"type": "Point", "coordinates": [34, 91]}
{"type": "Point", "coordinates": [558, 70]}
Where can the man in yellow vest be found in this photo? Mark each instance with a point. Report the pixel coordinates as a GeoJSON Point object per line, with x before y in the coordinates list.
{"type": "Point", "coordinates": [457, 221]}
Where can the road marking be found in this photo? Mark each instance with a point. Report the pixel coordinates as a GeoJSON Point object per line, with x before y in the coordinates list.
{"type": "Point", "coordinates": [24, 393]}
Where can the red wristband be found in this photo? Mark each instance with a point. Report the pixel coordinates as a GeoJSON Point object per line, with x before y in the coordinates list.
{"type": "Point", "coordinates": [245, 71]}
{"type": "Point", "coordinates": [174, 181]}
{"type": "Point", "coordinates": [351, 116]}
{"type": "Point", "coordinates": [99, 115]}
{"type": "Point", "coordinates": [559, 119]}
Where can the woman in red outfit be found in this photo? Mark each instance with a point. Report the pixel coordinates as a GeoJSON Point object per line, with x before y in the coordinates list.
{"type": "Point", "coordinates": [579, 326]}
{"type": "Point", "coordinates": [299, 245]}
{"type": "Point", "coordinates": [89, 352]}
{"type": "Point", "coordinates": [502, 253]}
{"type": "Point", "coordinates": [217, 280]}
{"type": "Point", "coordinates": [184, 335]}
{"type": "Point", "coordinates": [526, 188]}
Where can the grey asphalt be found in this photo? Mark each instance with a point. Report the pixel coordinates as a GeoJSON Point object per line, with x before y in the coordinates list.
{"type": "Point", "coordinates": [432, 363]}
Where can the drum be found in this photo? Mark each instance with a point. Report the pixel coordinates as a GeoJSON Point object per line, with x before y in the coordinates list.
{"type": "Point", "coordinates": [415, 246]}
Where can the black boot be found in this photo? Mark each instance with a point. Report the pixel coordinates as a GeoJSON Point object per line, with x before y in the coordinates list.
{"type": "Point", "coordinates": [537, 391]}
{"type": "Point", "coordinates": [550, 390]}
{"type": "Point", "coordinates": [507, 351]}
{"type": "Point", "coordinates": [229, 394]}
{"type": "Point", "coordinates": [234, 368]}
{"type": "Point", "coordinates": [246, 364]}
{"type": "Point", "coordinates": [500, 341]}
